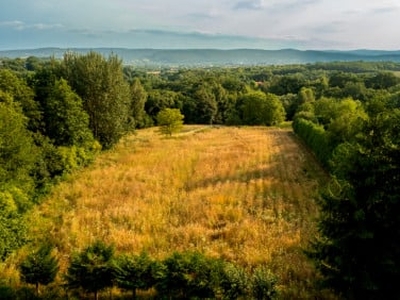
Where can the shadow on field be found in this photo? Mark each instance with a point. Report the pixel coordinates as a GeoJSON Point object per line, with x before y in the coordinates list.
{"type": "Point", "coordinates": [243, 177]}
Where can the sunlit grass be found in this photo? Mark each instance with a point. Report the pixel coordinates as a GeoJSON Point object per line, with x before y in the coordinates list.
{"type": "Point", "coordinates": [243, 194]}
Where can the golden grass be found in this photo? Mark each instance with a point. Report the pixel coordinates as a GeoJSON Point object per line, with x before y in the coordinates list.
{"type": "Point", "coordinates": [243, 194]}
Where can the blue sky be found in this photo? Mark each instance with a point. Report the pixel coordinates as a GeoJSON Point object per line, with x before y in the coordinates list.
{"type": "Point", "coordinates": [266, 24]}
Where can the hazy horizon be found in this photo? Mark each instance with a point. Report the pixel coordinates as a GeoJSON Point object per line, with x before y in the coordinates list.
{"type": "Point", "coordinates": [201, 24]}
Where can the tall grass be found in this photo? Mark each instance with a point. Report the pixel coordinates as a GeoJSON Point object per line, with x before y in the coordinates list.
{"type": "Point", "coordinates": [243, 194]}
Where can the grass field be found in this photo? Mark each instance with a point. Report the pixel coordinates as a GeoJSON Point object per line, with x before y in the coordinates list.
{"type": "Point", "coordinates": [243, 194]}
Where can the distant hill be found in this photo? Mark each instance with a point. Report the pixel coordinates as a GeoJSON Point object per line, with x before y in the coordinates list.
{"type": "Point", "coordinates": [214, 57]}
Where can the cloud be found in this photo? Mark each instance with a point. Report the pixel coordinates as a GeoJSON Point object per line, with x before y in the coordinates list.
{"type": "Point", "coordinates": [19, 25]}
{"type": "Point", "coordinates": [293, 5]}
{"type": "Point", "coordinates": [249, 5]}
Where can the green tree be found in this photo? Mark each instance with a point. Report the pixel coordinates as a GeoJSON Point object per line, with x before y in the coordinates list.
{"type": "Point", "coordinates": [206, 105]}
{"type": "Point", "coordinates": [13, 228]}
{"type": "Point", "coordinates": [91, 269]}
{"type": "Point", "coordinates": [17, 150]}
{"type": "Point", "coordinates": [259, 108]}
{"type": "Point", "coordinates": [170, 121]}
{"type": "Point", "coordinates": [138, 101]}
{"type": "Point", "coordinates": [105, 93]}
{"type": "Point", "coordinates": [189, 275]}
{"type": "Point", "coordinates": [66, 122]}
{"type": "Point", "coordinates": [137, 272]}
{"type": "Point", "coordinates": [39, 267]}
{"type": "Point", "coordinates": [18, 89]}
{"type": "Point", "coordinates": [358, 250]}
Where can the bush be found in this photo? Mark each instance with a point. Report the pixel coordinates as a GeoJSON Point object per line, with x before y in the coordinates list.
{"type": "Point", "coordinates": [234, 282]}
{"type": "Point", "coordinates": [263, 284]}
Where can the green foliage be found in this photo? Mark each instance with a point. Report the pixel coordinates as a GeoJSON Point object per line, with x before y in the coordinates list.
{"type": "Point", "coordinates": [360, 208]}
{"type": "Point", "coordinates": [13, 229]}
{"type": "Point", "coordinates": [315, 137]}
{"type": "Point", "coordinates": [382, 80]}
{"type": "Point", "coordinates": [138, 101]}
{"type": "Point", "coordinates": [7, 293]}
{"type": "Point", "coordinates": [263, 284]}
{"type": "Point", "coordinates": [259, 108]}
{"type": "Point", "coordinates": [17, 151]}
{"type": "Point", "coordinates": [66, 122]}
{"type": "Point", "coordinates": [234, 282]}
{"type": "Point", "coordinates": [189, 275]}
{"type": "Point", "coordinates": [136, 272]}
{"type": "Point", "coordinates": [170, 121]}
{"type": "Point", "coordinates": [23, 95]}
{"type": "Point", "coordinates": [105, 94]}
{"type": "Point", "coordinates": [91, 269]}
{"type": "Point", "coordinates": [39, 267]}
{"type": "Point", "coordinates": [206, 105]}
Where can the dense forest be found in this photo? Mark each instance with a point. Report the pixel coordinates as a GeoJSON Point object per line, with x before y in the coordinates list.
{"type": "Point", "coordinates": [57, 115]}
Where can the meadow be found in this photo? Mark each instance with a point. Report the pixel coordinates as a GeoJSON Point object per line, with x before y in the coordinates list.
{"type": "Point", "coordinates": [244, 194]}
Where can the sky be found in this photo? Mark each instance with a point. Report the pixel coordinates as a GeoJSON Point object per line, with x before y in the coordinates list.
{"type": "Point", "coordinates": [224, 24]}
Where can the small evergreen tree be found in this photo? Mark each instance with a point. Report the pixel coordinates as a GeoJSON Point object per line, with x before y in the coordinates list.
{"type": "Point", "coordinates": [135, 272]}
{"type": "Point", "coordinates": [39, 267]}
{"type": "Point", "coordinates": [91, 269]}
{"type": "Point", "coordinates": [189, 275]}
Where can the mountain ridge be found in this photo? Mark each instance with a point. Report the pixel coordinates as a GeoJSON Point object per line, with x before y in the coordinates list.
{"type": "Point", "coordinates": [214, 57]}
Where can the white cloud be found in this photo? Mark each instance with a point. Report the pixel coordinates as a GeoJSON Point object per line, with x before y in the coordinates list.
{"type": "Point", "coordinates": [347, 23]}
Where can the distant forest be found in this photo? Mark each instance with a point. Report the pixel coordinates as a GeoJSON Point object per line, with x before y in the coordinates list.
{"type": "Point", "coordinates": [215, 57]}
{"type": "Point", "coordinates": [56, 115]}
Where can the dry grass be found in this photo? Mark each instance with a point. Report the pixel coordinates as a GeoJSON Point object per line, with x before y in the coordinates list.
{"type": "Point", "coordinates": [243, 194]}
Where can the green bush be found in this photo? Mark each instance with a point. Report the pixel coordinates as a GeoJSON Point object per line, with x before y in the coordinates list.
{"type": "Point", "coordinates": [263, 284]}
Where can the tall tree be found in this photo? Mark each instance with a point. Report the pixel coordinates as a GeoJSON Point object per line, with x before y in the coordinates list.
{"type": "Point", "coordinates": [138, 101]}
{"type": "Point", "coordinates": [105, 93]}
{"type": "Point", "coordinates": [358, 251]}
{"type": "Point", "coordinates": [206, 105]}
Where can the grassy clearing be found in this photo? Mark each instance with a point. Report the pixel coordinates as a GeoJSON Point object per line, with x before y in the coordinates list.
{"type": "Point", "coordinates": [243, 194]}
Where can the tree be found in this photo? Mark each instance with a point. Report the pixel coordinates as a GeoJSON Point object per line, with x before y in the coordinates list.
{"type": "Point", "coordinates": [66, 122]}
{"type": "Point", "coordinates": [17, 150]}
{"type": "Point", "coordinates": [189, 275]}
{"type": "Point", "coordinates": [358, 250]}
{"type": "Point", "coordinates": [137, 272]}
{"type": "Point", "coordinates": [17, 88]}
{"type": "Point", "coordinates": [206, 105]}
{"type": "Point", "coordinates": [105, 93]}
{"type": "Point", "coordinates": [39, 267]}
{"type": "Point", "coordinates": [138, 101]}
{"type": "Point", "coordinates": [259, 108]}
{"type": "Point", "coordinates": [170, 121]}
{"type": "Point", "coordinates": [91, 269]}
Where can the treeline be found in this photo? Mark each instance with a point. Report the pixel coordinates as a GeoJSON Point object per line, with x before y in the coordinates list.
{"type": "Point", "coordinates": [186, 275]}
{"type": "Point", "coordinates": [357, 139]}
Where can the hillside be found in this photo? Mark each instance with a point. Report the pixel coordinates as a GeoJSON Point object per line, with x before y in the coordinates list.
{"type": "Point", "coordinates": [214, 57]}
{"type": "Point", "coordinates": [243, 194]}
